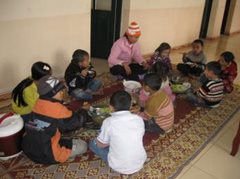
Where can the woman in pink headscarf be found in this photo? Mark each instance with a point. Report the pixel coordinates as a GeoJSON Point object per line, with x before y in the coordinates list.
{"type": "Point", "coordinates": [125, 59]}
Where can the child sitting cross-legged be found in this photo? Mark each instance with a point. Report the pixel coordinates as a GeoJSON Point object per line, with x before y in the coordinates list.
{"type": "Point", "coordinates": [120, 142]}
{"type": "Point", "coordinates": [193, 61]}
{"type": "Point", "coordinates": [80, 76]}
{"type": "Point", "coordinates": [49, 119]}
{"type": "Point", "coordinates": [210, 93]}
{"type": "Point", "coordinates": [158, 110]}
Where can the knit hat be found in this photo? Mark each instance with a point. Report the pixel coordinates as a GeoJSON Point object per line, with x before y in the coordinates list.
{"type": "Point", "coordinates": [48, 86]}
{"type": "Point", "coordinates": [133, 29]}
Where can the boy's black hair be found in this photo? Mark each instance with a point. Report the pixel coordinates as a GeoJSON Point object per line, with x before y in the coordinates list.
{"type": "Point", "coordinates": [215, 67]}
{"type": "Point", "coordinates": [163, 46]}
{"type": "Point", "coordinates": [198, 41]}
{"type": "Point", "coordinates": [161, 69]}
{"type": "Point", "coordinates": [228, 56]}
{"type": "Point", "coordinates": [120, 101]}
{"type": "Point", "coordinates": [39, 70]}
{"type": "Point", "coordinates": [153, 81]}
{"type": "Point", "coordinates": [78, 55]}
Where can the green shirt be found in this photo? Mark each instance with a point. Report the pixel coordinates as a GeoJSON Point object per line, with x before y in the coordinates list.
{"type": "Point", "coordinates": [30, 96]}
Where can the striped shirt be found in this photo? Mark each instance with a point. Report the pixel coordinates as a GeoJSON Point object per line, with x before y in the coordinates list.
{"type": "Point", "coordinates": [160, 107]}
{"type": "Point", "coordinates": [211, 92]}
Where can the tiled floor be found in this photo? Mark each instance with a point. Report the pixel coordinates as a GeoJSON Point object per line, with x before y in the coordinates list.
{"type": "Point", "coordinates": [214, 162]}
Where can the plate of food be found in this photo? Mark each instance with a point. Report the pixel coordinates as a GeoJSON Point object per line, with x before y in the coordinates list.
{"type": "Point", "coordinates": [180, 88]}
{"type": "Point", "coordinates": [99, 113]}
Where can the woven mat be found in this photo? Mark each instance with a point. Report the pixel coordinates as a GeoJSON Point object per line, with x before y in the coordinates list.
{"type": "Point", "coordinates": [167, 156]}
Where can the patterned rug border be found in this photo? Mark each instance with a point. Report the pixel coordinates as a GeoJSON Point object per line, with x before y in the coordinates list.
{"type": "Point", "coordinates": [198, 151]}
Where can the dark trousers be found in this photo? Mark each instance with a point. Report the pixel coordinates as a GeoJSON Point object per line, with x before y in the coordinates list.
{"type": "Point", "coordinates": [152, 126]}
{"type": "Point", "coordinates": [186, 69]}
{"type": "Point", "coordinates": [135, 68]}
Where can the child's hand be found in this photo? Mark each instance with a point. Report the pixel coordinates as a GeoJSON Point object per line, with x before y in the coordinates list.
{"type": "Point", "coordinates": [145, 65]}
{"type": "Point", "coordinates": [86, 106]}
{"type": "Point", "coordinates": [84, 72]}
{"type": "Point", "coordinates": [194, 65]}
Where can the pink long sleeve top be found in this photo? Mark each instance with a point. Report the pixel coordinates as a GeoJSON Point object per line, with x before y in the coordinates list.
{"type": "Point", "coordinates": [124, 52]}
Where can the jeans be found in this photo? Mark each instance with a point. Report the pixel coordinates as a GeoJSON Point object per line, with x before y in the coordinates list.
{"type": "Point", "coordinates": [92, 86]}
{"type": "Point", "coordinates": [101, 152]}
{"type": "Point", "coordinates": [194, 99]}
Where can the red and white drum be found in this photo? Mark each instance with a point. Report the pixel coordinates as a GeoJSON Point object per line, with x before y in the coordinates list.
{"type": "Point", "coordinates": [11, 131]}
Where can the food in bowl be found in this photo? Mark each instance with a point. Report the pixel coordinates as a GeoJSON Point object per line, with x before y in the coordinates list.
{"type": "Point", "coordinates": [179, 88]}
{"type": "Point", "coordinates": [131, 86]}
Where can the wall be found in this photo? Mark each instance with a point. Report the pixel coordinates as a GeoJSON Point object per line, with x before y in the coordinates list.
{"type": "Point", "coordinates": [176, 22]}
{"type": "Point", "coordinates": [236, 18]}
{"type": "Point", "coordinates": [32, 30]}
{"type": "Point", "coordinates": [216, 17]}
{"type": "Point", "coordinates": [233, 24]}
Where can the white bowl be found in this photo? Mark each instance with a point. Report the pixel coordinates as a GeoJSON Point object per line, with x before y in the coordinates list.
{"type": "Point", "coordinates": [131, 86]}
{"type": "Point", "coordinates": [187, 85]}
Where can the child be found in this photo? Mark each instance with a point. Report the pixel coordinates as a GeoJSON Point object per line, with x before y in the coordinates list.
{"type": "Point", "coordinates": [229, 70]}
{"type": "Point", "coordinates": [80, 75]}
{"type": "Point", "coordinates": [210, 93]}
{"type": "Point", "coordinates": [161, 70]}
{"type": "Point", "coordinates": [158, 111]}
{"type": "Point", "coordinates": [24, 95]}
{"type": "Point", "coordinates": [120, 142]}
{"type": "Point", "coordinates": [162, 54]}
{"type": "Point", "coordinates": [194, 61]}
{"type": "Point", "coordinates": [42, 141]}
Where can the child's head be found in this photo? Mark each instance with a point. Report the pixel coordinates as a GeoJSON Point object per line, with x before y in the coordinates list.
{"type": "Point", "coordinates": [213, 70]}
{"type": "Point", "coordinates": [51, 87]}
{"type": "Point", "coordinates": [164, 50]}
{"type": "Point", "coordinates": [152, 83]}
{"type": "Point", "coordinates": [81, 57]}
{"type": "Point", "coordinates": [226, 58]}
{"type": "Point", "coordinates": [120, 101]}
{"type": "Point", "coordinates": [161, 69]}
{"type": "Point", "coordinates": [40, 69]}
{"type": "Point", "coordinates": [197, 46]}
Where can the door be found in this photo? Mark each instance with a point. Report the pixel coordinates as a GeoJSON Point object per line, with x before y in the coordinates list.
{"type": "Point", "coordinates": [205, 18]}
{"type": "Point", "coordinates": [225, 16]}
{"type": "Point", "coordinates": [105, 26]}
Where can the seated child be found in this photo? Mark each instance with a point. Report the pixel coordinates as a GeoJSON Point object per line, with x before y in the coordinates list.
{"type": "Point", "coordinates": [161, 69]}
{"type": "Point", "coordinates": [193, 61]}
{"type": "Point", "coordinates": [42, 141]}
{"type": "Point", "coordinates": [120, 142]}
{"type": "Point", "coordinates": [80, 75]}
{"type": "Point", "coordinates": [25, 94]}
{"type": "Point", "coordinates": [162, 54]}
{"type": "Point", "coordinates": [210, 93]}
{"type": "Point", "coordinates": [158, 111]}
{"type": "Point", "coordinates": [229, 70]}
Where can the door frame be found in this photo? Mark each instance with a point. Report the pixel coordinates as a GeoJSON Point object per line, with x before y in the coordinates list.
{"type": "Point", "coordinates": [225, 16]}
{"type": "Point", "coordinates": [205, 18]}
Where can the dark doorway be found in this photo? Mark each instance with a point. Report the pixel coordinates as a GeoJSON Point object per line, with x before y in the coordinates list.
{"type": "Point", "coordinates": [225, 16]}
{"type": "Point", "coordinates": [105, 26]}
{"type": "Point", "coordinates": [205, 18]}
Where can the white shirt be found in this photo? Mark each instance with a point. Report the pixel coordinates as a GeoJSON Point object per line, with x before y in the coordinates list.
{"type": "Point", "coordinates": [124, 131]}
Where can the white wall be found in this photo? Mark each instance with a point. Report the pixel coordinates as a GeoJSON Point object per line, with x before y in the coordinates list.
{"type": "Point", "coordinates": [233, 21]}
{"type": "Point", "coordinates": [175, 21]}
{"type": "Point", "coordinates": [46, 30]}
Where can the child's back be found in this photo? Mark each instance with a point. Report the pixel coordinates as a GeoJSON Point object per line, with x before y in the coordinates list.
{"type": "Point", "coordinates": [126, 151]}
{"type": "Point", "coordinates": [160, 106]}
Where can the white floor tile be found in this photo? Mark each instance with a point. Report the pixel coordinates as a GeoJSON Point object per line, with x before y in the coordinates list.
{"type": "Point", "coordinates": [196, 173]}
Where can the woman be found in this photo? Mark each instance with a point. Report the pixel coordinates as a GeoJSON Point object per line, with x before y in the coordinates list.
{"type": "Point", "coordinates": [125, 59]}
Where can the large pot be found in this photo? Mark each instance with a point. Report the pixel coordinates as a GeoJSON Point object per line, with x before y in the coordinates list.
{"type": "Point", "coordinates": [11, 131]}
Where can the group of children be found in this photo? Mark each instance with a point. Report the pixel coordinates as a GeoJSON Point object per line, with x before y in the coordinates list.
{"type": "Point", "coordinates": [39, 99]}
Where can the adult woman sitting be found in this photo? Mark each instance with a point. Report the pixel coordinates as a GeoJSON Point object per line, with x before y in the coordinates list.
{"type": "Point", "coordinates": [125, 59]}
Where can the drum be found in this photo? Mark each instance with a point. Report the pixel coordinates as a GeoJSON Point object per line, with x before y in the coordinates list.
{"type": "Point", "coordinates": [11, 131]}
